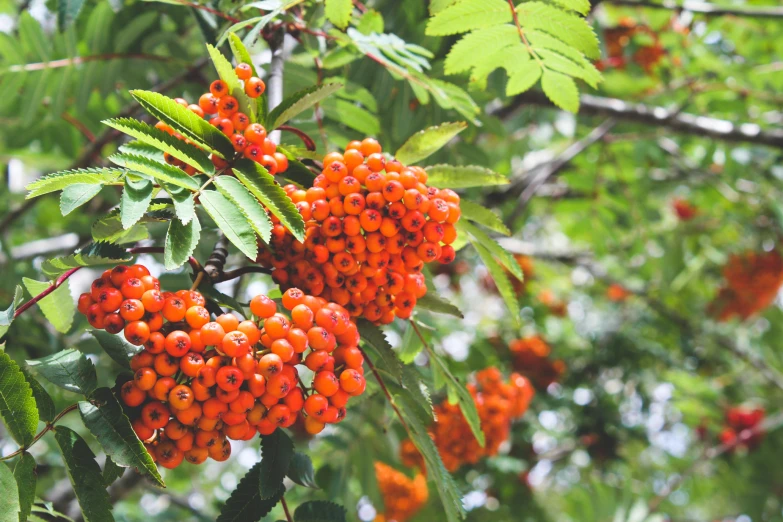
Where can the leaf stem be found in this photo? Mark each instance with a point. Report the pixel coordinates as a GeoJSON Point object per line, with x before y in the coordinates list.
{"type": "Point", "coordinates": [49, 426]}
{"type": "Point", "coordinates": [522, 33]}
{"type": "Point", "coordinates": [54, 286]}
{"type": "Point", "coordinates": [285, 508]}
{"type": "Point", "coordinates": [386, 392]}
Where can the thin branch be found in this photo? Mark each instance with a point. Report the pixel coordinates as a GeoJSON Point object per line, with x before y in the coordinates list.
{"type": "Point", "coordinates": [522, 35]}
{"type": "Point", "coordinates": [49, 426]}
{"type": "Point", "coordinates": [686, 123]}
{"type": "Point", "coordinates": [705, 8]}
{"type": "Point", "coordinates": [239, 272]}
{"type": "Point", "coordinates": [80, 126]}
{"type": "Point", "coordinates": [385, 390]}
{"type": "Point", "coordinates": [307, 140]}
{"type": "Point", "coordinates": [54, 286]}
{"type": "Point", "coordinates": [288, 516]}
{"type": "Point", "coordinates": [77, 60]}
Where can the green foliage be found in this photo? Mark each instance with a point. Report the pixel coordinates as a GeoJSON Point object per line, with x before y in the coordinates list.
{"type": "Point", "coordinates": [42, 398]}
{"type": "Point", "coordinates": [234, 191]}
{"type": "Point", "coordinates": [26, 478]}
{"type": "Point", "coordinates": [435, 303]}
{"type": "Point", "coordinates": [116, 347]}
{"type": "Point", "coordinates": [339, 12]}
{"type": "Point", "coordinates": [68, 369]}
{"type": "Point", "coordinates": [94, 254]}
{"type": "Point", "coordinates": [456, 177]}
{"type": "Point", "coordinates": [61, 180]}
{"type": "Point", "coordinates": [425, 143]}
{"type": "Point", "coordinates": [57, 307]}
{"type": "Point", "coordinates": [17, 405]}
{"type": "Point", "coordinates": [231, 221]}
{"type": "Point", "coordinates": [299, 102]}
{"type": "Point", "coordinates": [277, 451]}
{"type": "Point", "coordinates": [319, 511]}
{"type": "Point", "coordinates": [136, 197]}
{"type": "Point", "coordinates": [112, 428]}
{"type": "Point", "coordinates": [155, 169]}
{"type": "Point", "coordinates": [7, 315]}
{"type": "Point", "coordinates": [301, 470]}
{"type": "Point", "coordinates": [76, 195]}
{"type": "Point", "coordinates": [245, 502]}
{"type": "Point", "coordinates": [9, 505]}
{"type": "Point", "coordinates": [181, 241]}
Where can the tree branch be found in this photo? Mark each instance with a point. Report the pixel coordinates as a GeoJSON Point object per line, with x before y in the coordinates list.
{"type": "Point", "coordinates": [686, 123]}
{"type": "Point", "coordinates": [705, 8]}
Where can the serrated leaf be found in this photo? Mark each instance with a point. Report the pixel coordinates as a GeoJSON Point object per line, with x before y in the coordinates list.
{"type": "Point", "coordinates": [231, 221]}
{"type": "Point", "coordinates": [9, 500]}
{"type": "Point", "coordinates": [301, 471]}
{"type": "Point", "coordinates": [109, 227]}
{"type": "Point", "coordinates": [338, 12]}
{"type": "Point", "coordinates": [186, 122]}
{"type": "Point", "coordinates": [76, 195]}
{"type": "Point", "coordinates": [352, 116]}
{"type": "Point", "coordinates": [226, 73]}
{"type": "Point", "coordinates": [299, 102]}
{"type": "Point", "coordinates": [484, 216]}
{"type": "Point", "coordinates": [92, 255]}
{"type": "Point", "coordinates": [85, 475]}
{"type": "Point", "coordinates": [436, 472]}
{"type": "Point", "coordinates": [467, 15]}
{"type": "Point", "coordinates": [163, 142]}
{"type": "Point", "coordinates": [464, 56]}
{"type": "Point", "coordinates": [26, 478]}
{"type": "Point", "coordinates": [181, 242]}
{"type": "Point", "coordinates": [7, 315]}
{"type": "Point", "coordinates": [65, 178]}
{"type": "Point", "coordinates": [116, 346]}
{"type": "Point", "coordinates": [297, 172]}
{"type": "Point", "coordinates": [245, 503]}
{"type": "Point", "coordinates": [58, 307]}
{"type": "Point", "coordinates": [410, 346]}
{"type": "Point", "coordinates": [374, 336]}
{"type": "Point", "coordinates": [505, 258]}
{"type": "Point", "coordinates": [68, 369]}
{"type": "Point", "coordinates": [113, 430]}
{"type": "Point", "coordinates": [523, 78]}
{"type": "Point", "coordinates": [221, 299]}
{"type": "Point", "coordinates": [111, 471]}
{"type": "Point", "coordinates": [67, 11]}
{"type": "Point", "coordinates": [247, 204]}
{"type": "Point", "coordinates": [501, 280]}
{"type": "Point", "coordinates": [160, 171]}
{"type": "Point", "coordinates": [136, 197]}
{"type": "Point", "coordinates": [240, 51]}
{"type": "Point", "coordinates": [564, 58]}
{"type": "Point", "coordinates": [42, 398]}
{"type": "Point", "coordinates": [17, 405]}
{"type": "Point", "coordinates": [319, 511]}
{"type": "Point", "coordinates": [580, 6]}
{"type": "Point", "coordinates": [277, 450]}
{"type": "Point", "coordinates": [561, 90]}
{"type": "Point", "coordinates": [428, 141]}
{"type": "Point", "coordinates": [568, 27]}
{"type": "Point", "coordinates": [435, 303]}
{"type": "Point", "coordinates": [264, 187]}
{"type": "Point", "coordinates": [184, 205]}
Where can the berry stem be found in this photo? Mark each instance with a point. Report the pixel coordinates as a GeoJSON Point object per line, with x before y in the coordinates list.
{"type": "Point", "coordinates": [199, 278]}
{"type": "Point", "coordinates": [285, 508]}
{"type": "Point", "coordinates": [49, 426]}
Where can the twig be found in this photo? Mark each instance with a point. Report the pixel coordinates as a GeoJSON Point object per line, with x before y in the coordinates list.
{"type": "Point", "coordinates": [522, 36]}
{"type": "Point", "coordinates": [705, 8]}
{"type": "Point", "coordinates": [80, 126]}
{"type": "Point", "coordinates": [239, 272]}
{"type": "Point", "coordinates": [285, 508]}
{"type": "Point", "coordinates": [307, 140]}
{"type": "Point", "coordinates": [47, 428]}
{"type": "Point", "coordinates": [217, 260]}
{"type": "Point", "coordinates": [197, 281]}
{"type": "Point", "coordinates": [54, 286]}
{"type": "Point", "coordinates": [385, 390]}
{"type": "Point", "coordinates": [77, 60]}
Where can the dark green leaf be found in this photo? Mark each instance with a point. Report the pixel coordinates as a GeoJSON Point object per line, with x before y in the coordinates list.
{"type": "Point", "coordinates": [67, 11]}
{"type": "Point", "coordinates": [116, 347]}
{"type": "Point", "coordinates": [17, 405]}
{"type": "Point", "coordinates": [299, 102]}
{"type": "Point", "coordinates": [247, 204]}
{"type": "Point", "coordinates": [111, 427]}
{"type": "Point", "coordinates": [231, 221]}
{"type": "Point", "coordinates": [277, 450]}
{"type": "Point", "coordinates": [501, 280]}
{"type": "Point", "coordinates": [181, 241]}
{"type": "Point", "coordinates": [58, 307]}
{"type": "Point", "coordinates": [94, 254]}
{"type": "Point", "coordinates": [136, 197]}
{"type": "Point", "coordinates": [500, 253]}
{"type": "Point", "coordinates": [436, 303]}
{"type": "Point", "coordinates": [68, 369]}
{"type": "Point", "coordinates": [319, 511]}
{"type": "Point", "coordinates": [161, 171]}
{"type": "Point", "coordinates": [245, 503]}
{"type": "Point", "coordinates": [428, 141]}
{"type": "Point", "coordinates": [76, 195]}
{"type": "Point", "coordinates": [42, 398]}
{"type": "Point", "coordinates": [184, 205]}
{"type": "Point", "coordinates": [9, 500]}
{"type": "Point", "coordinates": [111, 471]}
{"type": "Point", "coordinates": [301, 471]}
{"type": "Point", "coordinates": [85, 475]}
{"type": "Point", "coordinates": [26, 479]}
{"type": "Point", "coordinates": [374, 336]}
{"type": "Point", "coordinates": [412, 380]}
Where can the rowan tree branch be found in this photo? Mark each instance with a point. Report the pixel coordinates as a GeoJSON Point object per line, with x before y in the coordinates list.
{"type": "Point", "coordinates": [704, 8]}
{"type": "Point", "coordinates": [683, 122]}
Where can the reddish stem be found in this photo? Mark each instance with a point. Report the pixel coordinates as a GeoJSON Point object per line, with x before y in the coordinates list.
{"type": "Point", "coordinates": [81, 127]}
{"type": "Point", "coordinates": [307, 140]}
{"type": "Point", "coordinates": [60, 280]}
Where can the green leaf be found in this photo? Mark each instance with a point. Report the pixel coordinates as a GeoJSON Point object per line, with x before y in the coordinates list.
{"type": "Point", "coordinates": [301, 471]}
{"type": "Point", "coordinates": [277, 451]}
{"type": "Point", "coordinates": [428, 141]}
{"type": "Point", "coordinates": [160, 171]}
{"type": "Point", "coordinates": [374, 336]}
{"type": "Point", "coordinates": [9, 500]}
{"type": "Point", "coordinates": [245, 503]}
{"type": "Point", "coordinates": [184, 205]}
{"type": "Point", "coordinates": [231, 221]}
{"type": "Point", "coordinates": [561, 90]}
{"type": "Point", "coordinates": [226, 72]}
{"type": "Point", "coordinates": [240, 51]}
{"type": "Point", "coordinates": [339, 12]}
{"type": "Point", "coordinates": [111, 471]}
{"type": "Point", "coordinates": [568, 27]}
{"type": "Point", "coordinates": [436, 303]}
{"type": "Point", "coordinates": [136, 197]}
{"type": "Point", "coordinates": [26, 479]}
{"type": "Point", "coordinates": [67, 11]}
{"type": "Point", "coordinates": [580, 6]}
{"type": "Point", "coordinates": [17, 405]}
{"type": "Point", "coordinates": [92, 255]}
{"type": "Point", "coordinates": [116, 346]}
{"type": "Point", "coordinates": [76, 195]}
{"type": "Point", "coordinates": [85, 475]}
{"type": "Point", "coordinates": [7, 315]}
{"type": "Point", "coordinates": [467, 15]}
{"type": "Point", "coordinates": [299, 102]}
{"type": "Point", "coordinates": [264, 187]}
{"type": "Point", "coordinates": [464, 54]}
{"type": "Point", "coordinates": [58, 307]}
{"type": "Point", "coordinates": [319, 511]}
{"type": "Point", "coordinates": [60, 180]}
{"type": "Point", "coordinates": [181, 242]}
{"type": "Point", "coordinates": [109, 227]}
{"type": "Point", "coordinates": [523, 77]}
{"type": "Point", "coordinates": [484, 216]}
{"type": "Point", "coordinates": [42, 398]}
{"type": "Point", "coordinates": [113, 430]}
{"type": "Point", "coordinates": [458, 390]}
{"type": "Point", "coordinates": [506, 259]}
{"type": "Point", "coordinates": [247, 204]}
{"type": "Point", "coordinates": [410, 346]}
{"type": "Point", "coordinates": [163, 141]}
{"type": "Point", "coordinates": [501, 280]}
{"type": "Point", "coordinates": [563, 58]}
{"type": "Point", "coordinates": [186, 122]}
{"type": "Point", "coordinates": [353, 116]}
{"type": "Point", "coordinates": [68, 369]}
{"type": "Point", "coordinates": [297, 171]}
{"type": "Point", "coordinates": [412, 380]}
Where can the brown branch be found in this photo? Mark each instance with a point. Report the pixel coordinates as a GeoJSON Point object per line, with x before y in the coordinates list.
{"type": "Point", "coordinates": [307, 140]}
{"type": "Point", "coordinates": [686, 123]}
{"type": "Point", "coordinates": [704, 8]}
{"type": "Point", "coordinates": [77, 60]}
{"type": "Point", "coordinates": [80, 126]}
{"type": "Point", "coordinates": [49, 426]}
{"type": "Point", "coordinates": [288, 516]}
{"type": "Point", "coordinates": [239, 272]}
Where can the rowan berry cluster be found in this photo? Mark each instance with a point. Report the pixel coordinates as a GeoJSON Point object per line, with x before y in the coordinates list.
{"type": "Point", "coordinates": [249, 139]}
{"type": "Point", "coordinates": [498, 404]}
{"type": "Point", "coordinates": [739, 430]}
{"type": "Point", "coordinates": [531, 358]}
{"type": "Point", "coordinates": [371, 225]}
{"type": "Point", "coordinates": [402, 496]}
{"type": "Point", "coordinates": [752, 283]}
{"type": "Point", "coordinates": [200, 381]}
